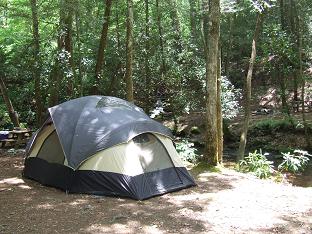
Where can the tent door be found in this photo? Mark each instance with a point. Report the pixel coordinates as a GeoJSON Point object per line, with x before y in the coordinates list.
{"type": "Point", "coordinates": [156, 162]}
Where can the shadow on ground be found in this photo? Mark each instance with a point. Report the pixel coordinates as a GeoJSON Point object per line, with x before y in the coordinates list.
{"type": "Point", "coordinates": [28, 207]}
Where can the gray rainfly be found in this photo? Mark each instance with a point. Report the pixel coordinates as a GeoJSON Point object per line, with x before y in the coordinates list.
{"type": "Point", "coordinates": [105, 146]}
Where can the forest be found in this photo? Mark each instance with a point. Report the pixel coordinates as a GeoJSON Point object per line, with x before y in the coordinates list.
{"type": "Point", "coordinates": [161, 55]}
{"type": "Point", "coordinates": [231, 79]}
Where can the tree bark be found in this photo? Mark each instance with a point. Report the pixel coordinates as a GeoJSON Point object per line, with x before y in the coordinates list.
{"type": "Point", "coordinates": [163, 67]}
{"type": "Point", "coordinates": [102, 46]}
{"type": "Point", "coordinates": [229, 46]}
{"type": "Point", "coordinates": [79, 84]}
{"type": "Point", "coordinates": [65, 43]}
{"type": "Point", "coordinates": [118, 68]}
{"type": "Point", "coordinates": [204, 25]}
{"type": "Point", "coordinates": [147, 44]}
{"type": "Point", "coordinates": [12, 114]}
{"type": "Point", "coordinates": [299, 50]}
{"type": "Point", "coordinates": [282, 78]}
{"type": "Point", "coordinates": [129, 59]}
{"type": "Point", "coordinates": [212, 70]}
{"type": "Point", "coordinates": [193, 24]}
{"type": "Point", "coordinates": [37, 61]}
{"type": "Point", "coordinates": [243, 137]}
{"type": "Point", "coordinates": [219, 111]}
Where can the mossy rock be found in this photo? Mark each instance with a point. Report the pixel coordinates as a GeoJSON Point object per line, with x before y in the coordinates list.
{"type": "Point", "coordinates": [195, 130]}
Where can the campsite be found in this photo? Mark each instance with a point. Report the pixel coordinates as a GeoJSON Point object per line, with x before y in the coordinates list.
{"type": "Point", "coordinates": [176, 116]}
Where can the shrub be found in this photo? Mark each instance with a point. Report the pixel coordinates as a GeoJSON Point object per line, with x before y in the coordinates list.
{"type": "Point", "coordinates": [294, 162]}
{"type": "Point", "coordinates": [187, 151]}
{"type": "Point", "coordinates": [271, 125]}
{"type": "Point", "coordinates": [258, 164]}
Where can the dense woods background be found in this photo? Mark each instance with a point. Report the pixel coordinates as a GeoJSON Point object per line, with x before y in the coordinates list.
{"type": "Point", "coordinates": [155, 53]}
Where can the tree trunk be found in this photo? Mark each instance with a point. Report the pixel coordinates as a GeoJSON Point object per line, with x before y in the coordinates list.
{"type": "Point", "coordinates": [129, 59]}
{"type": "Point", "coordinates": [243, 137]}
{"type": "Point", "coordinates": [147, 44]}
{"type": "Point", "coordinates": [229, 46]}
{"type": "Point", "coordinates": [79, 84]}
{"type": "Point", "coordinates": [212, 70]}
{"type": "Point", "coordinates": [54, 86]}
{"type": "Point", "coordinates": [282, 79]}
{"type": "Point", "coordinates": [163, 67]}
{"type": "Point", "coordinates": [299, 49]}
{"type": "Point", "coordinates": [12, 114]}
{"type": "Point", "coordinates": [37, 61]}
{"type": "Point", "coordinates": [219, 111]}
{"type": "Point", "coordinates": [65, 43]}
{"type": "Point", "coordinates": [204, 25]}
{"type": "Point", "coordinates": [113, 87]}
{"type": "Point", "coordinates": [102, 46]}
{"type": "Point", "coordinates": [283, 86]}
{"type": "Point", "coordinates": [193, 24]}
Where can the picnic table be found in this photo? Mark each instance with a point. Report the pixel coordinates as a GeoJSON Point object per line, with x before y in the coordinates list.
{"type": "Point", "coordinates": [16, 137]}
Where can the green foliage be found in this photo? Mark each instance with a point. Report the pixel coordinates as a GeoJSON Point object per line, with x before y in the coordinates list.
{"type": "Point", "coordinates": [258, 164]}
{"type": "Point", "coordinates": [5, 121]}
{"type": "Point", "coordinates": [294, 162]}
{"type": "Point", "coordinates": [187, 151]}
{"type": "Point", "coordinates": [273, 125]}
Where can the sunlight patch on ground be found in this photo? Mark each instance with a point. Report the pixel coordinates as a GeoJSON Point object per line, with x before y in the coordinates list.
{"type": "Point", "coordinates": [180, 200]}
{"type": "Point", "coordinates": [79, 202]}
{"type": "Point", "coordinates": [129, 227]}
{"type": "Point", "coordinates": [22, 186]}
{"type": "Point", "coordinates": [13, 180]}
{"type": "Point", "coordinates": [45, 206]}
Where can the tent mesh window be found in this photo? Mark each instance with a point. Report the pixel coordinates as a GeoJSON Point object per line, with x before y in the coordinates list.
{"type": "Point", "coordinates": [51, 150]}
{"type": "Point", "coordinates": [151, 153]}
{"type": "Point", "coordinates": [115, 103]}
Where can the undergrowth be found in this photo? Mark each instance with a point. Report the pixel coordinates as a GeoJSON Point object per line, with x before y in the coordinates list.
{"type": "Point", "coordinates": [259, 165]}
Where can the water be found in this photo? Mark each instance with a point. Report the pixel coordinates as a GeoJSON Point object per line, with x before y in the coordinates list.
{"type": "Point", "coordinates": [304, 179]}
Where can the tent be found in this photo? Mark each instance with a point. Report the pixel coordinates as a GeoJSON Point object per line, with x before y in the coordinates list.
{"type": "Point", "coordinates": [105, 146]}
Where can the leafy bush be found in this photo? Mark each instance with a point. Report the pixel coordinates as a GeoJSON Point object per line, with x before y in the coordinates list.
{"type": "Point", "coordinates": [5, 121]}
{"type": "Point", "coordinates": [294, 162]}
{"type": "Point", "coordinates": [271, 125]}
{"type": "Point", "coordinates": [258, 164]}
{"type": "Point", "coordinates": [187, 151]}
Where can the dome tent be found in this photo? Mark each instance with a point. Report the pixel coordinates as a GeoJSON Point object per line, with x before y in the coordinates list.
{"type": "Point", "coordinates": [105, 146]}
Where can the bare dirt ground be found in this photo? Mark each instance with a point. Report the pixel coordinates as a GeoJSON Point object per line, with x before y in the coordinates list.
{"type": "Point", "coordinates": [226, 202]}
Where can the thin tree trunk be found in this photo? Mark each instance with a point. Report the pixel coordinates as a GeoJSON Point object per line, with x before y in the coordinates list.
{"type": "Point", "coordinates": [193, 24]}
{"type": "Point", "coordinates": [37, 61]}
{"type": "Point", "coordinates": [204, 25]}
{"type": "Point", "coordinates": [79, 57]}
{"type": "Point", "coordinates": [118, 69]}
{"type": "Point", "coordinates": [219, 111]}
{"type": "Point", "coordinates": [65, 42]}
{"type": "Point", "coordinates": [12, 114]}
{"type": "Point", "coordinates": [129, 59]}
{"type": "Point", "coordinates": [163, 68]}
{"type": "Point", "coordinates": [211, 151]}
{"type": "Point", "coordinates": [243, 137]}
{"type": "Point", "coordinates": [296, 73]}
{"type": "Point", "coordinates": [282, 79]}
{"type": "Point", "coordinates": [55, 79]}
{"type": "Point", "coordinates": [102, 46]}
{"type": "Point", "coordinates": [299, 45]}
{"type": "Point", "coordinates": [147, 44]}
{"type": "Point", "coordinates": [229, 46]}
